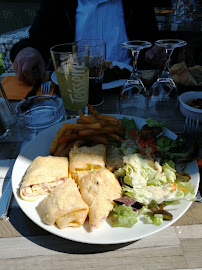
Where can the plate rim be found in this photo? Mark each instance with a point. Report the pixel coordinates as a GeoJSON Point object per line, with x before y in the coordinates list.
{"type": "Point", "coordinates": [86, 240]}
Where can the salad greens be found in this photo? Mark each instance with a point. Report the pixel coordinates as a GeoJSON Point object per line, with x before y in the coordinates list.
{"type": "Point", "coordinates": [148, 175]}
{"type": "Point", "coordinates": [123, 216]}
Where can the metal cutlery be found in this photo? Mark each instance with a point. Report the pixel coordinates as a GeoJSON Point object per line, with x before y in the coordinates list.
{"type": "Point", "coordinates": [45, 88]}
{"type": "Point", "coordinates": [191, 131]}
{"type": "Point", "coordinates": [32, 92]}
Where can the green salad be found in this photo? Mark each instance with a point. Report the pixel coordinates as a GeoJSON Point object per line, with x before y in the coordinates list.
{"type": "Point", "coordinates": [148, 175]}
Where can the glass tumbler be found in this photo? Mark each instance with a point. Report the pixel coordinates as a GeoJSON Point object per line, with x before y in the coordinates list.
{"type": "Point", "coordinates": [97, 56]}
{"type": "Point", "coordinates": [71, 66]}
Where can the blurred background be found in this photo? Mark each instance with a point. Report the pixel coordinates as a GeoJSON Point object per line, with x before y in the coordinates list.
{"type": "Point", "coordinates": [17, 14]}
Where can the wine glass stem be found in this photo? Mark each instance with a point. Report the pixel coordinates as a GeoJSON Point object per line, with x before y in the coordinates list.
{"type": "Point", "coordinates": [135, 57]}
{"type": "Point", "coordinates": [167, 64]}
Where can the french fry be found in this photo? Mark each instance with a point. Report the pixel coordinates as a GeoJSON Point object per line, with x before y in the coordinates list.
{"type": "Point", "coordinates": [99, 139]}
{"type": "Point", "coordinates": [68, 138]}
{"type": "Point", "coordinates": [59, 150]}
{"type": "Point", "coordinates": [93, 110]}
{"type": "Point", "coordinates": [80, 121]}
{"type": "Point", "coordinates": [90, 126]}
{"type": "Point", "coordinates": [81, 114]}
{"type": "Point", "coordinates": [110, 123]}
{"type": "Point", "coordinates": [101, 117]}
{"type": "Point", "coordinates": [92, 118]}
{"type": "Point", "coordinates": [54, 145]}
{"type": "Point", "coordinates": [69, 126]}
{"type": "Point", "coordinates": [79, 142]}
{"type": "Point", "coordinates": [88, 132]}
{"type": "Point", "coordinates": [107, 118]}
{"type": "Point", "coordinates": [88, 119]}
{"type": "Point", "coordinates": [66, 150]}
{"type": "Point", "coordinates": [83, 126]}
{"type": "Point", "coordinates": [116, 137]}
{"type": "Point", "coordinates": [62, 146]}
{"type": "Point", "coordinates": [119, 131]}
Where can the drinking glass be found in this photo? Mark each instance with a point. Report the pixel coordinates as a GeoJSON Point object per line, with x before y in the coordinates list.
{"type": "Point", "coordinates": [163, 95]}
{"type": "Point", "coordinates": [97, 56]}
{"type": "Point", "coordinates": [133, 98]}
{"type": "Point", "coordinates": [71, 67]}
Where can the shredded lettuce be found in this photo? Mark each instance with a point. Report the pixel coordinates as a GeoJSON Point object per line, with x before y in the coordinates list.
{"type": "Point", "coordinates": [188, 190]}
{"type": "Point", "coordinates": [169, 172]}
{"type": "Point", "coordinates": [141, 172]}
{"type": "Point", "coordinates": [138, 194]}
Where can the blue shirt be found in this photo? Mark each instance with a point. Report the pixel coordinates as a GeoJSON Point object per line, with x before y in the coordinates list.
{"type": "Point", "coordinates": [103, 19]}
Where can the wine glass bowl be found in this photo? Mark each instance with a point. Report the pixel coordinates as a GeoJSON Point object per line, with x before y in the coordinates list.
{"type": "Point", "coordinates": [135, 46]}
{"type": "Point", "coordinates": [169, 45]}
{"type": "Point", "coordinates": [163, 95]}
{"type": "Point", "coordinates": [133, 97]}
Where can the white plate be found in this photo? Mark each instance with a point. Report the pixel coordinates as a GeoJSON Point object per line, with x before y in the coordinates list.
{"type": "Point", "coordinates": [105, 234]}
{"type": "Point", "coordinates": [105, 86]}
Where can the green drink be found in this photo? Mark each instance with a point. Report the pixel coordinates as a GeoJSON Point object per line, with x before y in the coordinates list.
{"type": "Point", "coordinates": [71, 63]}
{"type": "Point", "coordinates": [73, 84]}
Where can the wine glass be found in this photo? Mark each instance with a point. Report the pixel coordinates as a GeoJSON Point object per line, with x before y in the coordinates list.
{"type": "Point", "coordinates": [163, 95]}
{"type": "Point", "coordinates": [133, 98]}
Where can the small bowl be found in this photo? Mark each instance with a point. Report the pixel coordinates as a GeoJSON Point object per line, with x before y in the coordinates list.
{"type": "Point", "coordinates": [39, 112]}
{"type": "Point", "coordinates": [187, 110]}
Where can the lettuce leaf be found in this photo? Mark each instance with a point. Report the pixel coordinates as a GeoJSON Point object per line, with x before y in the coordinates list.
{"type": "Point", "coordinates": [188, 190]}
{"type": "Point", "coordinates": [154, 123]}
{"type": "Point", "coordinates": [128, 147]}
{"type": "Point", "coordinates": [156, 219]}
{"type": "Point", "coordinates": [129, 125]}
{"type": "Point", "coordinates": [165, 144]}
{"type": "Point", "coordinates": [123, 216]}
{"type": "Point", "coordinates": [169, 172]}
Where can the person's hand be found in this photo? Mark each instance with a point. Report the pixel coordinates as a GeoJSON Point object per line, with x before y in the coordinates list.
{"type": "Point", "coordinates": [156, 57]}
{"type": "Point", "coordinates": [29, 65]}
